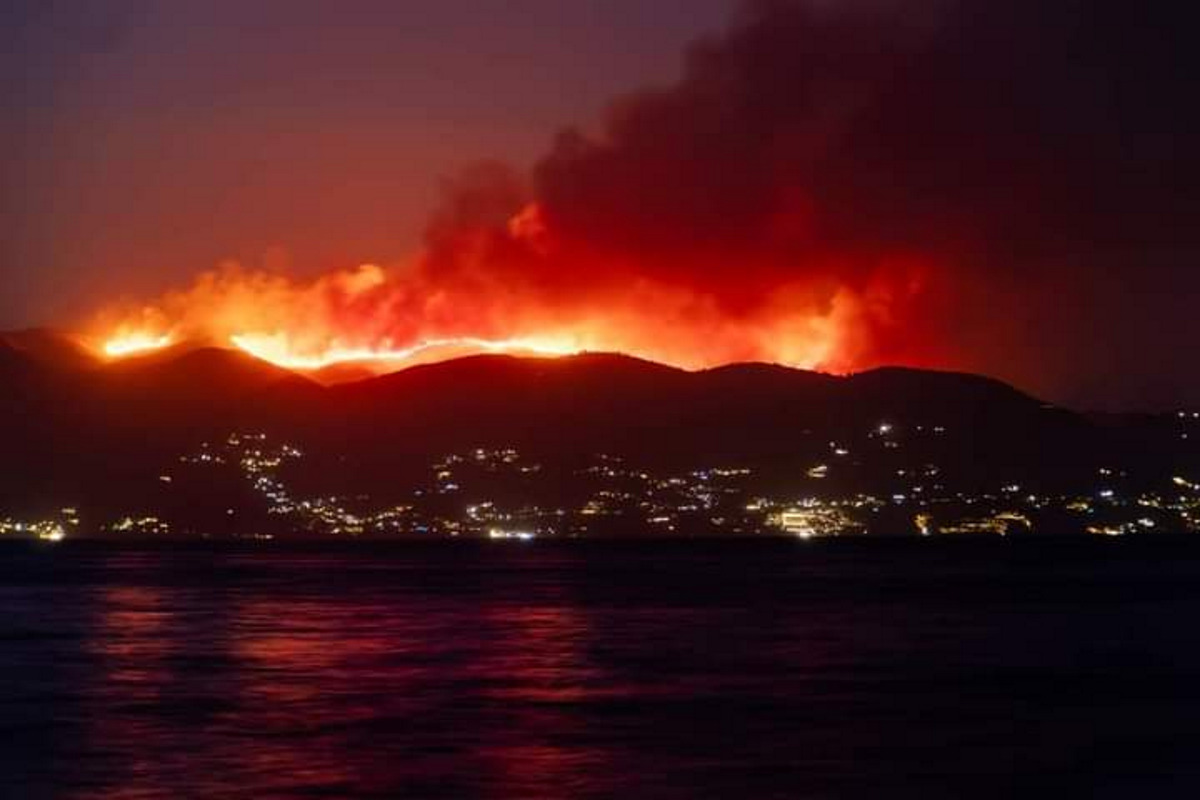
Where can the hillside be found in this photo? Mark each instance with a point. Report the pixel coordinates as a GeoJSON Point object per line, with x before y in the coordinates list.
{"type": "Point", "coordinates": [102, 434]}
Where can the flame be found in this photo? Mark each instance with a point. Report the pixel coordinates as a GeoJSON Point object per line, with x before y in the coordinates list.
{"type": "Point", "coordinates": [277, 349]}
{"type": "Point", "coordinates": [128, 343]}
{"type": "Point", "coordinates": [384, 319]}
{"type": "Point", "coordinates": [384, 322]}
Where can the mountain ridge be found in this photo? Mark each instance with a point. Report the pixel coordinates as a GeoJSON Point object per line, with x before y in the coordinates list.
{"type": "Point", "coordinates": [100, 431]}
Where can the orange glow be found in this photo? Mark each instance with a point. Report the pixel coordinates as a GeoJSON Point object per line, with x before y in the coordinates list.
{"type": "Point", "coordinates": [132, 343]}
{"type": "Point", "coordinates": [515, 291]}
{"type": "Point", "coordinates": [383, 322]}
{"type": "Point", "coordinates": [278, 350]}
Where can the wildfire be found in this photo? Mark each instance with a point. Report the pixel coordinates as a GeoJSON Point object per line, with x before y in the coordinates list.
{"type": "Point", "coordinates": [383, 320]}
{"type": "Point", "coordinates": [132, 343]}
{"type": "Point", "coordinates": [359, 317]}
{"type": "Point", "coordinates": [277, 349]}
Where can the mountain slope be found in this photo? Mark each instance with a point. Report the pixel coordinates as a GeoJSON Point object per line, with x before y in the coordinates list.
{"type": "Point", "coordinates": [100, 431]}
{"type": "Point", "coordinates": [569, 409]}
{"type": "Point", "coordinates": [49, 348]}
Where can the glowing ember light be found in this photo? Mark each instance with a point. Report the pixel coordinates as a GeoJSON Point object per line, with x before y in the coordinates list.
{"type": "Point", "coordinates": [277, 349]}
{"type": "Point", "coordinates": [127, 344]}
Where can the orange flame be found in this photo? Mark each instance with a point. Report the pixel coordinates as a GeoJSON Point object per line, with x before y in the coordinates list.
{"type": "Point", "coordinates": [277, 349]}
{"type": "Point", "coordinates": [382, 323]}
{"type": "Point", "coordinates": [128, 343]}
{"type": "Point", "coordinates": [432, 310]}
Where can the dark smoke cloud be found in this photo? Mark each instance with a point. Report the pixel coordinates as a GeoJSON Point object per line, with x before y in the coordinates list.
{"type": "Point", "coordinates": [1010, 186]}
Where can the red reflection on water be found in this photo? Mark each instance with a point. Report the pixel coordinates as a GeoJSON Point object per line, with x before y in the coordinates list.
{"type": "Point", "coordinates": [315, 686]}
{"type": "Point", "coordinates": [129, 640]}
{"type": "Point", "coordinates": [538, 666]}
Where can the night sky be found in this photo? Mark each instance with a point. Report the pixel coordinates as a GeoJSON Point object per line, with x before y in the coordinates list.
{"type": "Point", "coordinates": [1002, 187]}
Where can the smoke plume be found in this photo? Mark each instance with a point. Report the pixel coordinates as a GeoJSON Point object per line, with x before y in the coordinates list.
{"type": "Point", "coordinates": [960, 183]}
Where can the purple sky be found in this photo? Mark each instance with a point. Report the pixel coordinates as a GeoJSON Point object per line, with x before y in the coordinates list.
{"type": "Point", "coordinates": [145, 141]}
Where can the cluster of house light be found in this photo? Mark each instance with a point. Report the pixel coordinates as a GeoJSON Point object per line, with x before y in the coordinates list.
{"type": "Point", "coordinates": [722, 499]}
{"type": "Point", "coordinates": [47, 529]}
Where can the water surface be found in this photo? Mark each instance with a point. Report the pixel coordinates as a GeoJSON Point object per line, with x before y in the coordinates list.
{"type": "Point", "coordinates": [512, 670]}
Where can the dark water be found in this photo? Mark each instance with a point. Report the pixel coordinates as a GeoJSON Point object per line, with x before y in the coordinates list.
{"type": "Point", "coordinates": [719, 669]}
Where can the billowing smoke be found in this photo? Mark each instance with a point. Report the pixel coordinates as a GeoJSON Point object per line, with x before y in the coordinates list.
{"type": "Point", "coordinates": [831, 183]}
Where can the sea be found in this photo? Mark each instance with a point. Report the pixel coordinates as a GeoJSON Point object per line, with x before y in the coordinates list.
{"type": "Point", "coordinates": [622, 669]}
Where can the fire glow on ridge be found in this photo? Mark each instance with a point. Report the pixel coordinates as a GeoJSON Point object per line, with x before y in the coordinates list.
{"type": "Point", "coordinates": [127, 344]}
{"type": "Point", "coordinates": [384, 320]}
{"type": "Point", "coordinates": [276, 350]}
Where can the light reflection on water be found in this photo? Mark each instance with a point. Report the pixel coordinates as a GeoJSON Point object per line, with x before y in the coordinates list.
{"type": "Point", "coordinates": [652, 670]}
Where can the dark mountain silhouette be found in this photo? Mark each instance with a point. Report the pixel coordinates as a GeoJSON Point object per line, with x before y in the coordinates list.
{"type": "Point", "coordinates": [100, 428]}
{"type": "Point", "coordinates": [104, 432]}
{"type": "Point", "coordinates": [768, 417]}
{"type": "Point", "coordinates": [49, 348]}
